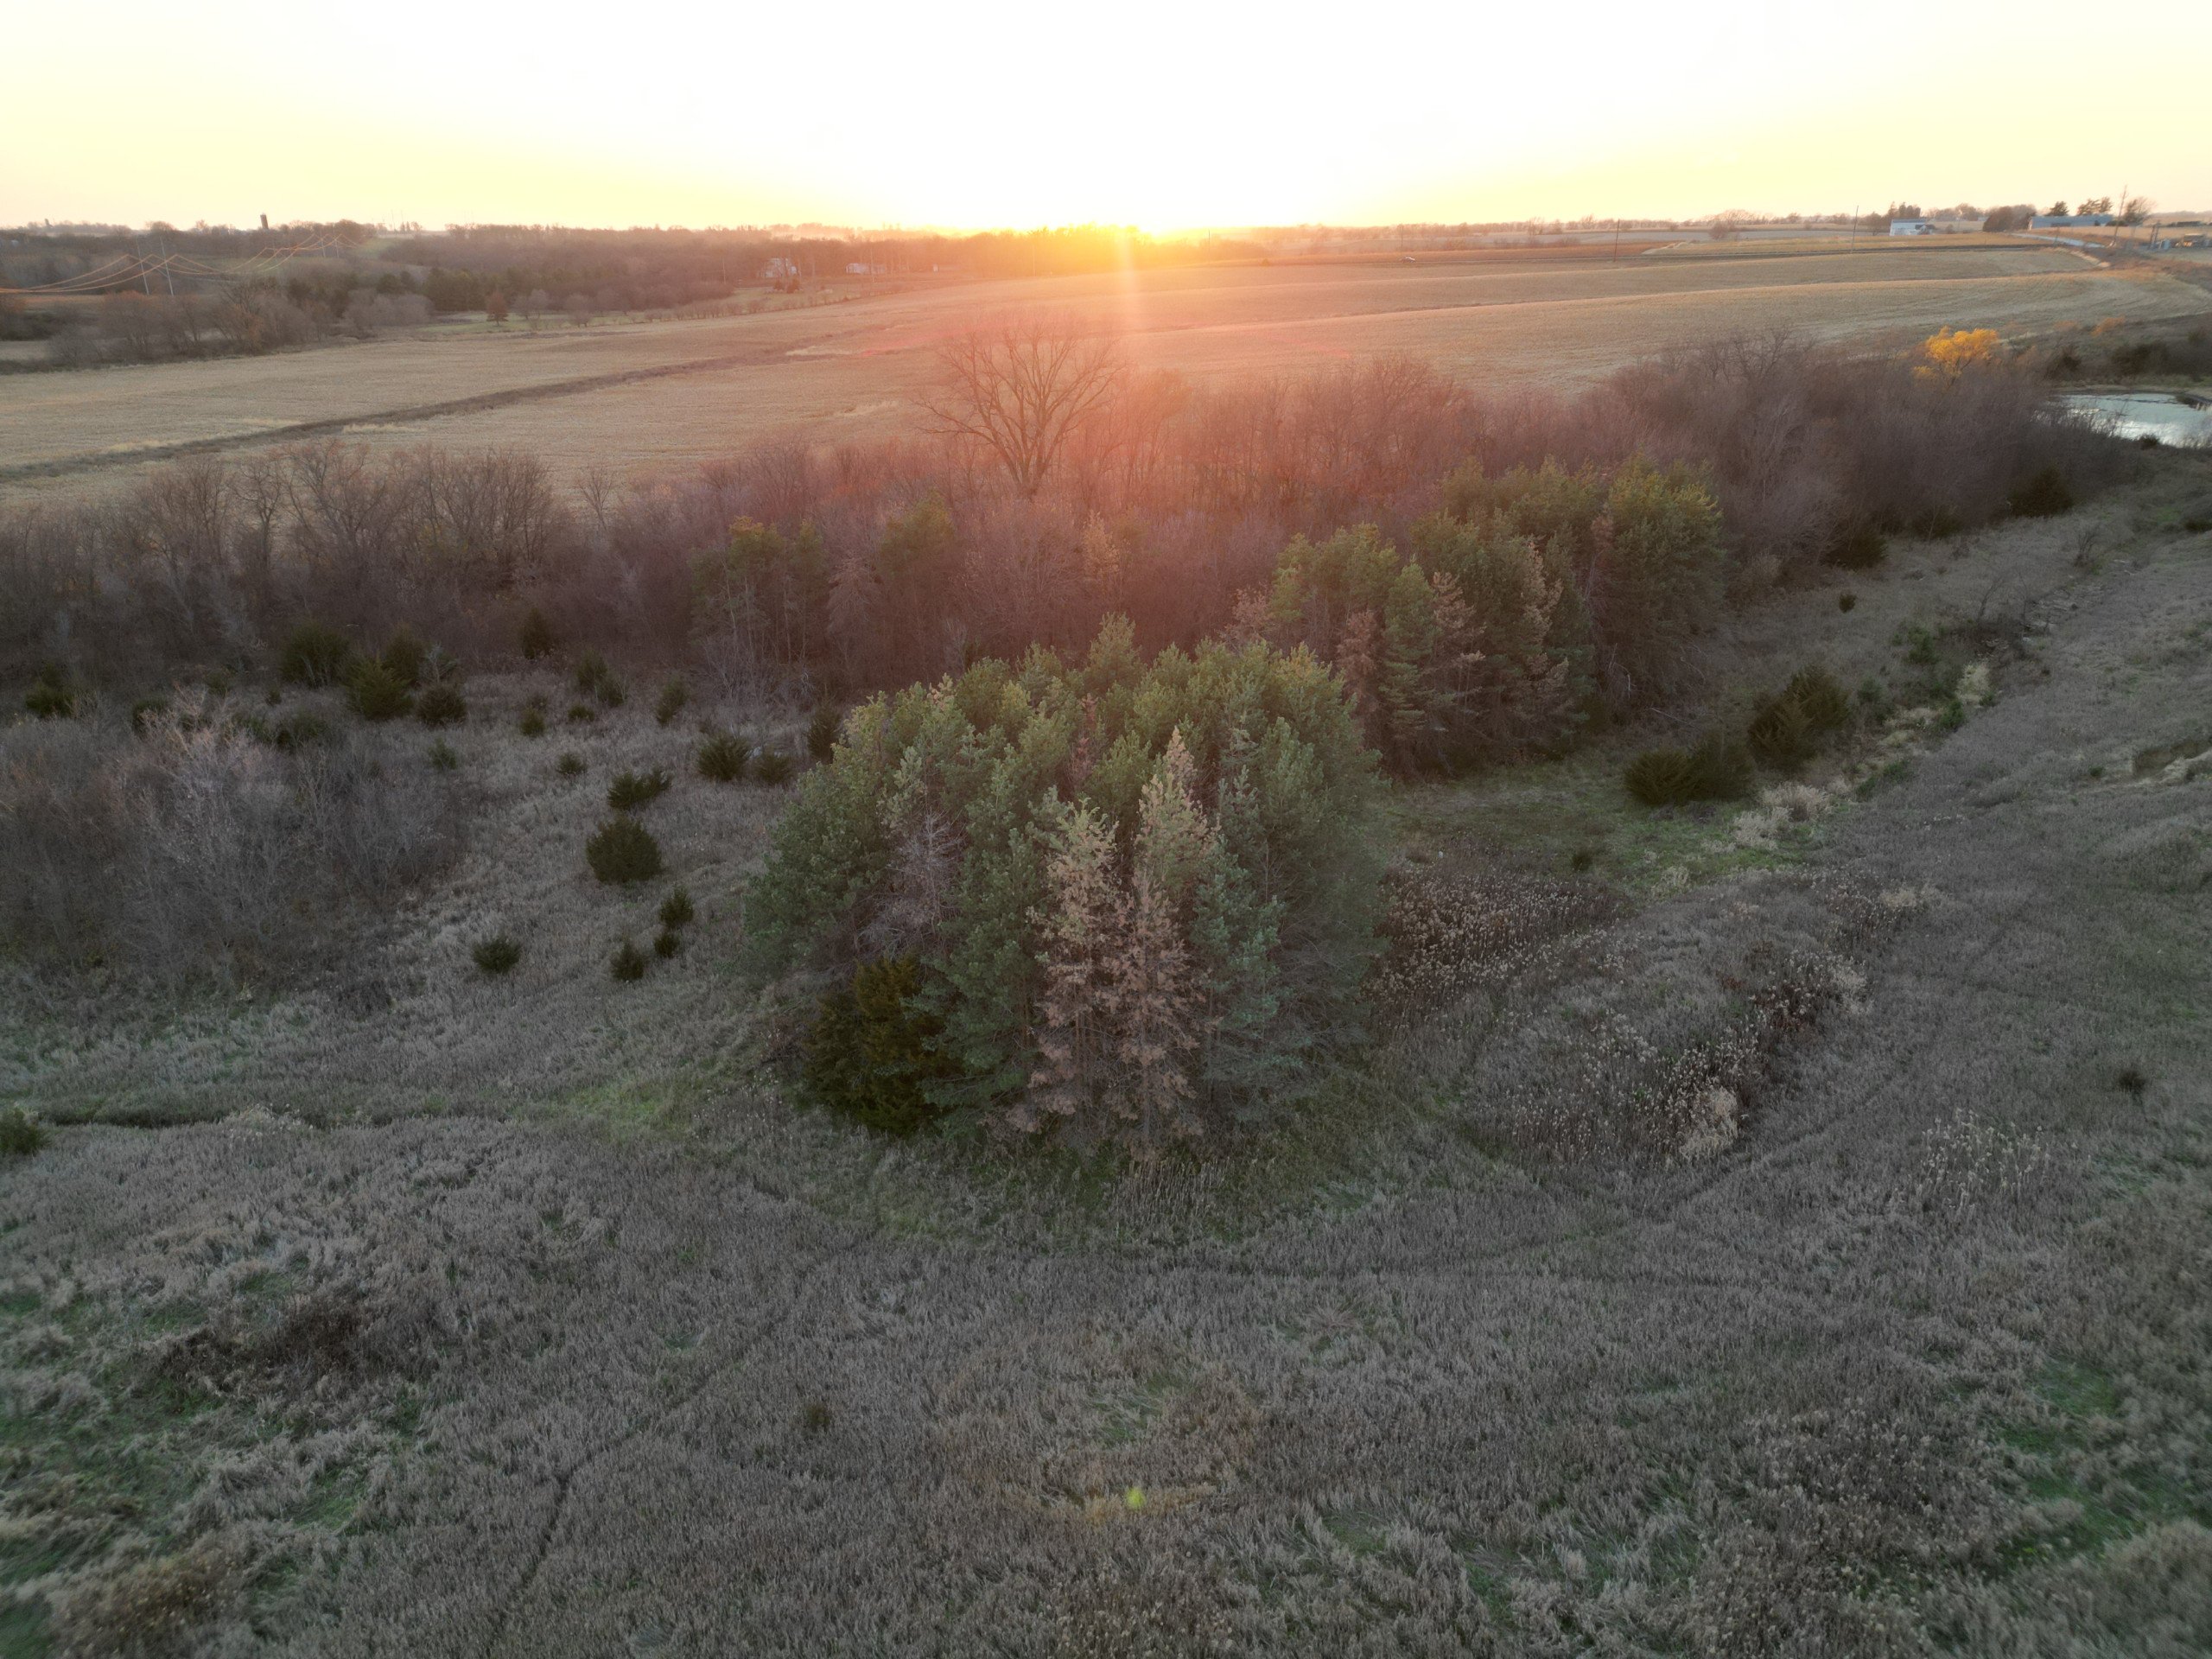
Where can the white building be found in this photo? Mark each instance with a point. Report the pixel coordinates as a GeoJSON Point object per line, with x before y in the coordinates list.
{"type": "Point", "coordinates": [2069, 221]}
{"type": "Point", "coordinates": [1912, 227]}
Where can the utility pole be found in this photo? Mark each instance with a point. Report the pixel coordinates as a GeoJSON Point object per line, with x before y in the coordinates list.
{"type": "Point", "coordinates": [1617, 239]}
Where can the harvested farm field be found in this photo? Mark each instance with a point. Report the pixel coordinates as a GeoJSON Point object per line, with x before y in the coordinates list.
{"type": "Point", "coordinates": [648, 398]}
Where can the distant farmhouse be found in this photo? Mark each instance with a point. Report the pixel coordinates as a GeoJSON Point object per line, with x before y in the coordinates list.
{"type": "Point", "coordinates": [2069, 221]}
{"type": "Point", "coordinates": [1912, 227]}
{"type": "Point", "coordinates": [780, 269]}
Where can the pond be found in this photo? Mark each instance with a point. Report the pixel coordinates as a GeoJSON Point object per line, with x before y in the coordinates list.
{"type": "Point", "coordinates": [2160, 414]}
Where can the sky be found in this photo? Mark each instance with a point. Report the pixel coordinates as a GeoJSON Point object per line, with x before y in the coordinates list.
{"type": "Point", "coordinates": [1166, 116]}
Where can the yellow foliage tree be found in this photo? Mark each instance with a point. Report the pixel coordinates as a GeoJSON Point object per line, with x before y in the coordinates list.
{"type": "Point", "coordinates": [1950, 353]}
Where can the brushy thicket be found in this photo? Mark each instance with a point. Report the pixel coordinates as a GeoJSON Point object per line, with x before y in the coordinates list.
{"type": "Point", "coordinates": [871, 566]}
{"type": "Point", "coordinates": [1111, 902]}
{"type": "Point", "coordinates": [200, 844]}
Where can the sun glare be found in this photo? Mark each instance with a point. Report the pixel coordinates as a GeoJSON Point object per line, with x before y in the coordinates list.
{"type": "Point", "coordinates": [1168, 117]}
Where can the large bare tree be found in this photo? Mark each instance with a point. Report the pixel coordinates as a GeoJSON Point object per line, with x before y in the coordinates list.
{"type": "Point", "coordinates": [1020, 387]}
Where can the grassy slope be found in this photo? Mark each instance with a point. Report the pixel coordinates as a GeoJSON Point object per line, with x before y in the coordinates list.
{"type": "Point", "coordinates": [1917, 1363]}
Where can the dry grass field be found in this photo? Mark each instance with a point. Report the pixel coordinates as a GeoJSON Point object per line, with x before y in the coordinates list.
{"type": "Point", "coordinates": [651, 397]}
{"type": "Point", "coordinates": [416, 1311]}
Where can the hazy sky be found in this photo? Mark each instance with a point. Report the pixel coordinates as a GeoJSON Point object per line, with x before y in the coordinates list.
{"type": "Point", "coordinates": [1164, 115]}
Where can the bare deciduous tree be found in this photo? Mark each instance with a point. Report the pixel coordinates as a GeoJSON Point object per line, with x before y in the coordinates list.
{"type": "Point", "coordinates": [1021, 388]}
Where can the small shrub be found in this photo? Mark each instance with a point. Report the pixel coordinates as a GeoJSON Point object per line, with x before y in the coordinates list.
{"type": "Point", "coordinates": [20, 1134]}
{"type": "Point", "coordinates": [673, 694]}
{"type": "Point", "coordinates": [628, 962]}
{"type": "Point", "coordinates": [595, 679]}
{"type": "Point", "coordinates": [771, 766]}
{"type": "Point", "coordinates": [532, 723]}
{"type": "Point", "coordinates": [1847, 601]}
{"type": "Point", "coordinates": [581, 714]}
{"type": "Point", "coordinates": [622, 850]}
{"type": "Point", "coordinates": [145, 711]}
{"type": "Point", "coordinates": [50, 697]}
{"type": "Point", "coordinates": [299, 728]}
{"type": "Point", "coordinates": [537, 635]}
{"type": "Point", "coordinates": [2130, 1080]}
{"type": "Point", "coordinates": [816, 1416]}
{"type": "Point", "coordinates": [721, 758]}
{"type": "Point", "coordinates": [821, 730]}
{"type": "Point", "coordinates": [2041, 494]}
{"type": "Point", "coordinates": [873, 1052]}
{"type": "Point", "coordinates": [570, 765]}
{"type": "Point", "coordinates": [1582, 859]}
{"type": "Point", "coordinates": [272, 696]}
{"type": "Point", "coordinates": [676, 910]}
{"type": "Point", "coordinates": [1857, 547]}
{"type": "Point", "coordinates": [404, 655]}
{"type": "Point", "coordinates": [375, 692]}
{"type": "Point", "coordinates": [1659, 777]}
{"type": "Point", "coordinates": [441, 705]}
{"type": "Point", "coordinates": [1940, 521]}
{"type": "Point", "coordinates": [667, 942]}
{"type": "Point", "coordinates": [631, 790]}
{"type": "Point", "coordinates": [313, 655]}
{"type": "Point", "coordinates": [497, 955]}
{"type": "Point", "coordinates": [443, 756]}
{"type": "Point", "coordinates": [1825, 702]}
{"type": "Point", "coordinates": [1787, 727]}
{"type": "Point", "coordinates": [1718, 769]}
{"type": "Point", "coordinates": [218, 683]}
{"type": "Point", "coordinates": [1780, 733]}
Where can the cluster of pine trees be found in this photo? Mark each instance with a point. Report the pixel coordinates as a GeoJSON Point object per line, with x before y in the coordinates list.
{"type": "Point", "coordinates": [1109, 902]}
{"type": "Point", "coordinates": [1530, 602]}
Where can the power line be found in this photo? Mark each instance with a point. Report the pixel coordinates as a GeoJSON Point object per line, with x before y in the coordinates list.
{"type": "Point", "coordinates": [136, 267]}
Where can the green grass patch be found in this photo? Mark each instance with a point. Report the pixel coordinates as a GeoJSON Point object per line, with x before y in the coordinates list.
{"type": "Point", "coordinates": [2089, 1496]}
{"type": "Point", "coordinates": [1575, 816]}
{"type": "Point", "coordinates": [1126, 1415]}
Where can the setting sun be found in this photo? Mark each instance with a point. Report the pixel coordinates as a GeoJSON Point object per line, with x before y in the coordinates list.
{"type": "Point", "coordinates": [1165, 116]}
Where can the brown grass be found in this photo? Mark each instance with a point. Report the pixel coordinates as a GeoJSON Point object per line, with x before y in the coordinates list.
{"type": "Point", "coordinates": [401, 1310]}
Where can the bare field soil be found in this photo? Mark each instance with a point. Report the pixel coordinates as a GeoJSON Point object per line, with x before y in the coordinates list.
{"type": "Point", "coordinates": [647, 397]}
{"type": "Point", "coordinates": [423, 1313]}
